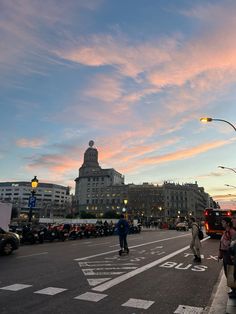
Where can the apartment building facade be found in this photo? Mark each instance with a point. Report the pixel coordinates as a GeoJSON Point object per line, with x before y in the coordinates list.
{"type": "Point", "coordinates": [52, 200]}
{"type": "Point", "coordinates": [99, 190]}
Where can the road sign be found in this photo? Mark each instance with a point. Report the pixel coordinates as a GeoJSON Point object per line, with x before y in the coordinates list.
{"type": "Point", "coordinates": [32, 201]}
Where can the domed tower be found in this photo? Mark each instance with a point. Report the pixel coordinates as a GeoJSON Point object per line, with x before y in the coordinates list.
{"type": "Point", "coordinates": [87, 171]}
{"type": "Point", "coordinates": [92, 183]}
{"type": "Point", "coordinates": [91, 157]}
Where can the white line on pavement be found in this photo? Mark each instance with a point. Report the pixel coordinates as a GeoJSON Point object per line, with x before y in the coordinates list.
{"type": "Point", "coordinates": [91, 296]}
{"type": "Point", "coordinates": [131, 247]}
{"type": "Point", "coordinates": [117, 280]}
{"type": "Point", "coordinates": [36, 254]}
{"type": "Point", "coordinates": [138, 303]}
{"type": "Point", "coordinates": [99, 243]}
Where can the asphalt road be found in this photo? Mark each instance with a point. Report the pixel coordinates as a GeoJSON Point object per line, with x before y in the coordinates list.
{"type": "Point", "coordinates": [88, 276]}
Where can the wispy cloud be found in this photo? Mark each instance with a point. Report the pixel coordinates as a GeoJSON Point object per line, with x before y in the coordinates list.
{"type": "Point", "coordinates": [30, 143]}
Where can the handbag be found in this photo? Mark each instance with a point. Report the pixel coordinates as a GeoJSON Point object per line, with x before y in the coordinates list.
{"type": "Point", "coordinates": [230, 277]}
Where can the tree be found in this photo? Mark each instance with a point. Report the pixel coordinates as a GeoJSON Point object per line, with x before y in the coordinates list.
{"type": "Point", "coordinates": [111, 214]}
{"type": "Point", "coordinates": [85, 215]}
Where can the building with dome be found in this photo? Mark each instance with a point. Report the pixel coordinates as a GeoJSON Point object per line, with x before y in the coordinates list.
{"type": "Point", "coordinates": [98, 190]}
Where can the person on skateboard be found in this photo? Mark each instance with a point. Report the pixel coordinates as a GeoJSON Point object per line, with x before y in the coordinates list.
{"type": "Point", "coordinates": [123, 230]}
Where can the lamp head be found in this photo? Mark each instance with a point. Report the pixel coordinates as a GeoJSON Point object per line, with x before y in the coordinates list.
{"type": "Point", "coordinates": [206, 119]}
{"type": "Point", "coordinates": [125, 202]}
{"type": "Point", "coordinates": [34, 182]}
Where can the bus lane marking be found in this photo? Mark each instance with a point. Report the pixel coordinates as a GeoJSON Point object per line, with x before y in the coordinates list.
{"type": "Point", "coordinates": [131, 247]}
{"type": "Point", "coordinates": [113, 282]}
{"type": "Point", "coordinates": [181, 267]}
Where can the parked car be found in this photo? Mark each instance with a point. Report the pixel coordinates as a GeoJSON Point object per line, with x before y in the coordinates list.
{"type": "Point", "coordinates": [182, 226]}
{"type": "Point", "coordinates": [9, 241]}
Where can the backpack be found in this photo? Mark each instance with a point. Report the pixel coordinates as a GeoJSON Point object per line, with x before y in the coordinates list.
{"type": "Point", "coordinates": [122, 226]}
{"type": "Point", "coordinates": [200, 234]}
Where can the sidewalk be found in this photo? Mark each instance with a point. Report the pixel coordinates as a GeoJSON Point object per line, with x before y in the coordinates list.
{"type": "Point", "coordinates": [221, 303]}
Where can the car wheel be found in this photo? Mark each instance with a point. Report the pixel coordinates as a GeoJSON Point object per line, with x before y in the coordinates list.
{"type": "Point", "coordinates": [8, 248]}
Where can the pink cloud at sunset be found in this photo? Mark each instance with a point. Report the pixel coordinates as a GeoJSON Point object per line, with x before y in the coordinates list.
{"type": "Point", "coordinates": [133, 78]}
{"type": "Point", "coordinates": [177, 155]}
{"type": "Point", "coordinates": [107, 89]}
{"type": "Point", "coordinates": [30, 143]}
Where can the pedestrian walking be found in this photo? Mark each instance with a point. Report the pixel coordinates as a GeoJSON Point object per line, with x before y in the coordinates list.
{"type": "Point", "coordinates": [232, 251]}
{"type": "Point", "coordinates": [123, 229]}
{"type": "Point", "coordinates": [195, 242]}
{"type": "Point", "coordinates": [224, 252]}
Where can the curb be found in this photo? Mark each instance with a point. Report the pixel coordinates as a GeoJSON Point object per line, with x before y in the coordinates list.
{"type": "Point", "coordinates": [220, 296]}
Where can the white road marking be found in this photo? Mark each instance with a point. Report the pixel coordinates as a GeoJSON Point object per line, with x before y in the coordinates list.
{"type": "Point", "coordinates": [137, 259]}
{"type": "Point", "coordinates": [50, 291]}
{"type": "Point", "coordinates": [78, 243]}
{"type": "Point", "coordinates": [138, 303]}
{"type": "Point", "coordinates": [91, 296]}
{"type": "Point", "coordinates": [97, 281]}
{"type": "Point", "coordinates": [91, 272]}
{"type": "Point", "coordinates": [185, 309]}
{"type": "Point", "coordinates": [36, 254]}
{"type": "Point", "coordinates": [102, 263]}
{"type": "Point", "coordinates": [112, 268]}
{"type": "Point", "coordinates": [132, 238]}
{"type": "Point", "coordinates": [147, 243]}
{"type": "Point", "coordinates": [16, 287]}
{"type": "Point", "coordinates": [99, 244]}
{"type": "Point", "coordinates": [117, 280]}
{"type": "Point", "coordinates": [213, 257]}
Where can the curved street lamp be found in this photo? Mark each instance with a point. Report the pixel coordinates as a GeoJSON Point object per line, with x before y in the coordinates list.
{"type": "Point", "coordinates": [207, 119]}
{"type": "Point", "coordinates": [222, 167]}
{"type": "Point", "coordinates": [232, 186]}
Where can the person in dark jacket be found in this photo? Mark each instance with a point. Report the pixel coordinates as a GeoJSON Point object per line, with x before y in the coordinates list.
{"type": "Point", "coordinates": [123, 229]}
{"type": "Point", "coordinates": [232, 251]}
{"type": "Point", "coordinates": [224, 249]}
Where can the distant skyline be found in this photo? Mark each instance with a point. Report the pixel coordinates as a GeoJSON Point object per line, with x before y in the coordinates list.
{"type": "Point", "coordinates": [134, 76]}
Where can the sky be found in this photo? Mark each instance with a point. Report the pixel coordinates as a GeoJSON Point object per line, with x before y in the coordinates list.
{"type": "Point", "coordinates": [135, 76]}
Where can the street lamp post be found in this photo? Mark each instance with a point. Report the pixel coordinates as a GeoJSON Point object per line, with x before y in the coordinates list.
{"type": "Point", "coordinates": [32, 198]}
{"type": "Point", "coordinates": [232, 186]}
{"type": "Point", "coordinates": [222, 167]}
{"type": "Point", "coordinates": [206, 119]}
{"type": "Point", "coordinates": [125, 209]}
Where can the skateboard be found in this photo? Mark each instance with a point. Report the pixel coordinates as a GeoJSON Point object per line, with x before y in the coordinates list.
{"type": "Point", "coordinates": [123, 252]}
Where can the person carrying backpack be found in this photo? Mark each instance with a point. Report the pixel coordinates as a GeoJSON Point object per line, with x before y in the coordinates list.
{"type": "Point", "coordinates": [224, 249]}
{"type": "Point", "coordinates": [195, 242]}
{"type": "Point", "coordinates": [123, 229]}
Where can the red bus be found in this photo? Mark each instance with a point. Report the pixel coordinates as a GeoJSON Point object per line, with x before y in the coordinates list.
{"type": "Point", "coordinates": [213, 218]}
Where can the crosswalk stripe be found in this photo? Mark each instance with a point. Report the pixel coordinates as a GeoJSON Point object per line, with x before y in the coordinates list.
{"type": "Point", "coordinates": [138, 303]}
{"type": "Point", "coordinates": [96, 281]}
{"type": "Point", "coordinates": [16, 287]}
{"type": "Point", "coordinates": [185, 309]}
{"type": "Point", "coordinates": [50, 291]}
{"type": "Point", "coordinates": [91, 296]}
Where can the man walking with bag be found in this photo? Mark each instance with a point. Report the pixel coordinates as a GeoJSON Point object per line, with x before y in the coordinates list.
{"type": "Point", "coordinates": [195, 242]}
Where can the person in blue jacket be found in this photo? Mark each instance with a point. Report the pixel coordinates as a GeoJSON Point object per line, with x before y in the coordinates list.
{"type": "Point", "coordinates": [123, 230]}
